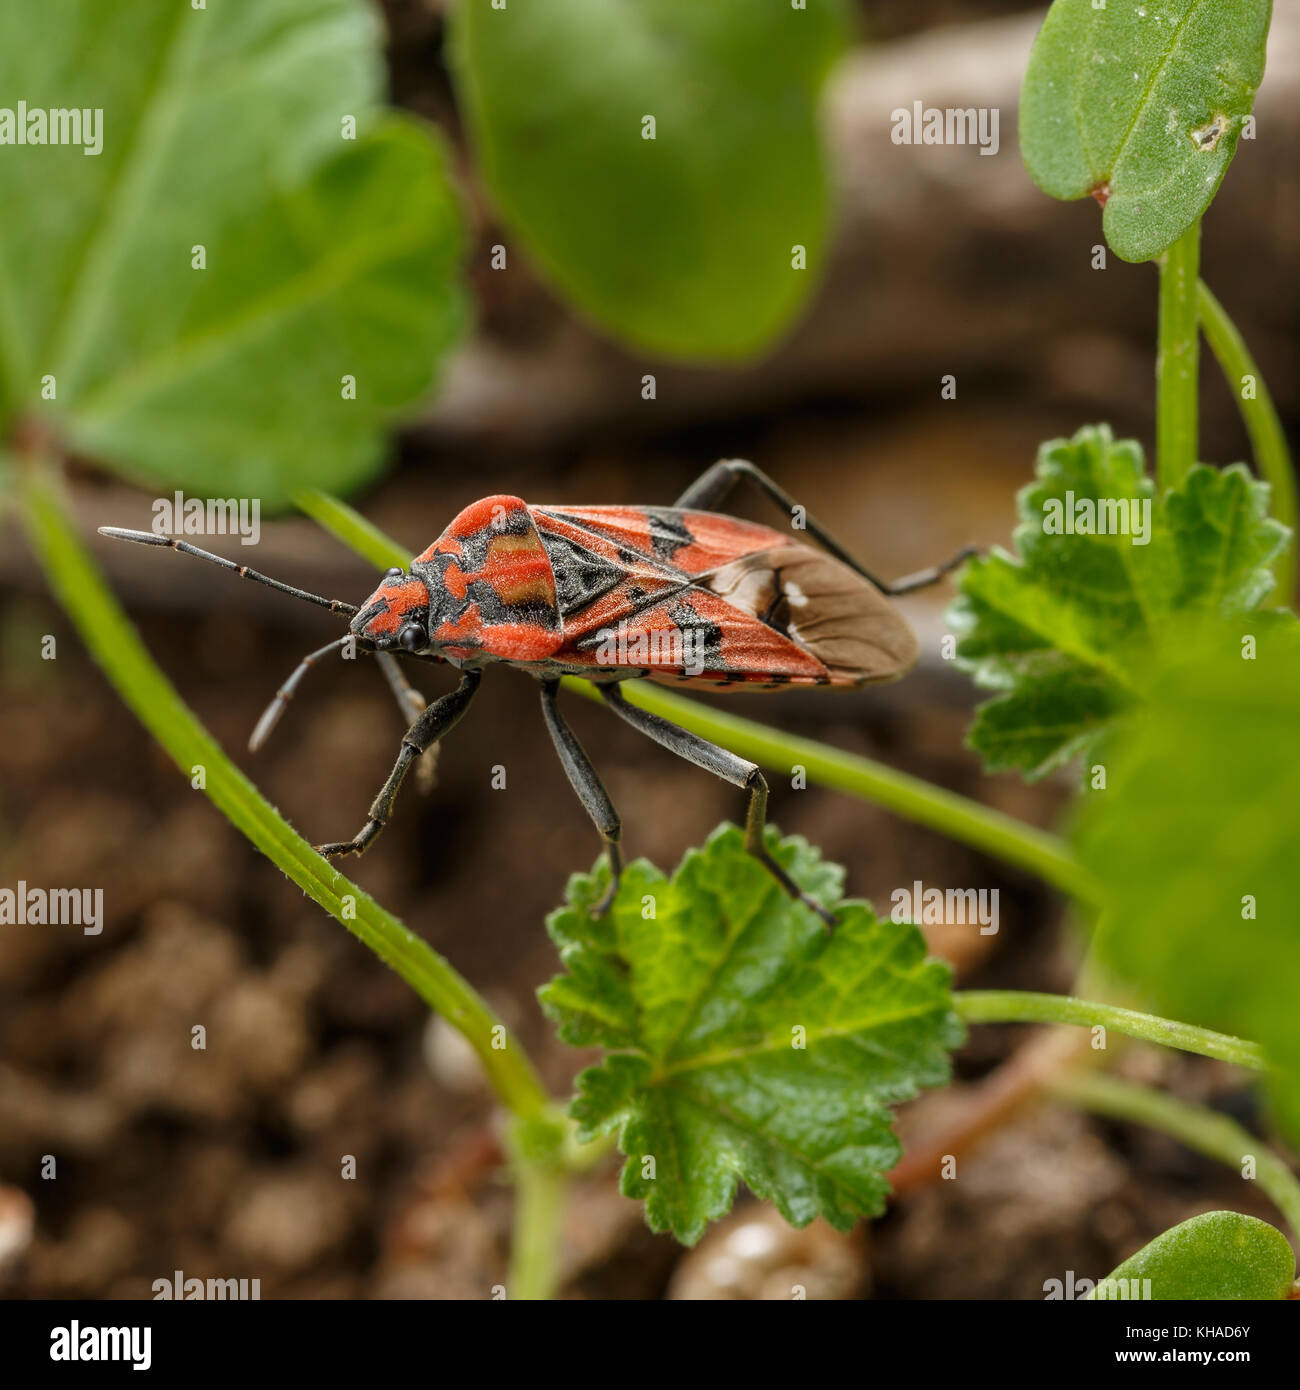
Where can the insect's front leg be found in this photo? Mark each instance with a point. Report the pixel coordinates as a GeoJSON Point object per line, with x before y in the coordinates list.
{"type": "Point", "coordinates": [424, 733]}
{"type": "Point", "coordinates": [412, 704]}
{"type": "Point", "coordinates": [591, 792]}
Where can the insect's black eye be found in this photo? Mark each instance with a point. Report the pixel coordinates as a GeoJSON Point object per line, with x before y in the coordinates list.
{"type": "Point", "coordinates": [394, 573]}
{"type": "Point", "coordinates": [411, 637]}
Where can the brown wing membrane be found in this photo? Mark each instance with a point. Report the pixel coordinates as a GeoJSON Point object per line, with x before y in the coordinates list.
{"type": "Point", "coordinates": [835, 615]}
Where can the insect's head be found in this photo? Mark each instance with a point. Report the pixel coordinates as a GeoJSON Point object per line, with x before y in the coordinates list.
{"type": "Point", "coordinates": [395, 615]}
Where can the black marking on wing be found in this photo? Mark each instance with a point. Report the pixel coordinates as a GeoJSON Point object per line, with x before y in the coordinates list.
{"type": "Point", "coordinates": [581, 576]}
{"type": "Point", "coordinates": [668, 532]}
{"type": "Point", "coordinates": [706, 635]}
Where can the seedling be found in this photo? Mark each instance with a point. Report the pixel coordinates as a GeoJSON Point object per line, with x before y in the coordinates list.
{"type": "Point", "coordinates": [741, 1042]}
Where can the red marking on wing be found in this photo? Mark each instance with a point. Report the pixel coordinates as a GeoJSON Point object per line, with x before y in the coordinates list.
{"type": "Point", "coordinates": [597, 542]}
{"type": "Point", "coordinates": [625, 602]}
{"type": "Point", "coordinates": [715, 539]}
{"type": "Point", "coordinates": [750, 650]}
{"type": "Point", "coordinates": [751, 647]}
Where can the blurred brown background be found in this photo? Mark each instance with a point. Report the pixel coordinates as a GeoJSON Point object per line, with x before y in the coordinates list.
{"type": "Point", "coordinates": [225, 1162]}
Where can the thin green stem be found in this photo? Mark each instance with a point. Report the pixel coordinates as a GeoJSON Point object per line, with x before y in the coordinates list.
{"type": "Point", "coordinates": [990, 831]}
{"type": "Point", "coordinates": [1263, 425]}
{"type": "Point", "coordinates": [540, 1191]}
{"type": "Point", "coordinates": [115, 645]}
{"type": "Point", "coordinates": [348, 525]}
{"type": "Point", "coordinates": [1018, 1006]}
{"type": "Point", "coordinates": [1177, 357]}
{"type": "Point", "coordinates": [1204, 1130]}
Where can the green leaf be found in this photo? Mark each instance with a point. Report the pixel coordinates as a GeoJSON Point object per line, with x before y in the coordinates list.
{"type": "Point", "coordinates": [1196, 844]}
{"type": "Point", "coordinates": [1220, 1255]}
{"type": "Point", "coordinates": [681, 244]}
{"type": "Point", "coordinates": [1141, 105]}
{"type": "Point", "coordinates": [1066, 630]}
{"type": "Point", "coordinates": [222, 129]}
{"type": "Point", "coordinates": [752, 1045]}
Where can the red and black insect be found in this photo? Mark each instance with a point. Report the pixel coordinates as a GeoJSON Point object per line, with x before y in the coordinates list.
{"type": "Point", "coordinates": [678, 594]}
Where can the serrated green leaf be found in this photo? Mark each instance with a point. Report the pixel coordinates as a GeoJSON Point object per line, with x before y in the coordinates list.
{"type": "Point", "coordinates": [681, 244]}
{"type": "Point", "coordinates": [1068, 628]}
{"type": "Point", "coordinates": [1142, 105]}
{"type": "Point", "coordinates": [1221, 1255]}
{"type": "Point", "coordinates": [1196, 844]}
{"type": "Point", "coordinates": [753, 1046]}
{"type": "Point", "coordinates": [326, 256]}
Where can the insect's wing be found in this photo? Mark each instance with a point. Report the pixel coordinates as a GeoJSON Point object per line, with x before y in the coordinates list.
{"type": "Point", "coordinates": [703, 597]}
{"type": "Point", "coordinates": [695, 636]}
{"type": "Point", "coordinates": [828, 611]}
{"type": "Point", "coordinates": [655, 540]}
{"type": "Point", "coordinates": [616, 567]}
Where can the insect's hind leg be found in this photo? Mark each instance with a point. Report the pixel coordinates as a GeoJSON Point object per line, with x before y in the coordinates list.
{"type": "Point", "coordinates": [731, 768]}
{"type": "Point", "coordinates": [707, 492]}
{"type": "Point", "coordinates": [437, 720]}
{"type": "Point", "coordinates": [591, 792]}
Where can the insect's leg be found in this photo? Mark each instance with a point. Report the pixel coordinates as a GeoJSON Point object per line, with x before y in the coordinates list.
{"type": "Point", "coordinates": [271, 714]}
{"type": "Point", "coordinates": [426, 731]}
{"type": "Point", "coordinates": [730, 768]}
{"type": "Point", "coordinates": [412, 704]}
{"type": "Point", "coordinates": [586, 782]}
{"type": "Point", "coordinates": [922, 579]}
{"type": "Point", "coordinates": [409, 699]}
{"type": "Point", "coordinates": [712, 486]}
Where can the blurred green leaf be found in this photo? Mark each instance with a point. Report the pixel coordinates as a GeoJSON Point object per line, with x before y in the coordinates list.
{"type": "Point", "coordinates": [1068, 628]}
{"type": "Point", "coordinates": [1145, 101]}
{"type": "Point", "coordinates": [223, 128]}
{"type": "Point", "coordinates": [1196, 844]}
{"type": "Point", "coordinates": [749, 1045]}
{"type": "Point", "coordinates": [681, 245]}
{"type": "Point", "coordinates": [1220, 1255]}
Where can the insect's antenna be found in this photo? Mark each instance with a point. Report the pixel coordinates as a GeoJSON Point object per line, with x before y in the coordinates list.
{"type": "Point", "coordinates": [271, 716]}
{"type": "Point", "coordinates": [148, 538]}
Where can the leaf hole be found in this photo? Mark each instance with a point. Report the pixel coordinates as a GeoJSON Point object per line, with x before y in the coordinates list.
{"type": "Point", "coordinates": [1207, 137]}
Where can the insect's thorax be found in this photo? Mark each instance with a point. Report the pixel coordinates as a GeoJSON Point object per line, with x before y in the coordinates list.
{"type": "Point", "coordinates": [491, 586]}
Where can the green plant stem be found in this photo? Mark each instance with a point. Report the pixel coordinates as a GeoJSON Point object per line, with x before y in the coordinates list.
{"type": "Point", "coordinates": [539, 1207]}
{"type": "Point", "coordinates": [1207, 1131]}
{"type": "Point", "coordinates": [1017, 1006]}
{"type": "Point", "coordinates": [115, 645]}
{"type": "Point", "coordinates": [990, 831]}
{"type": "Point", "coordinates": [1263, 425]}
{"type": "Point", "coordinates": [348, 525]}
{"type": "Point", "coordinates": [1177, 354]}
